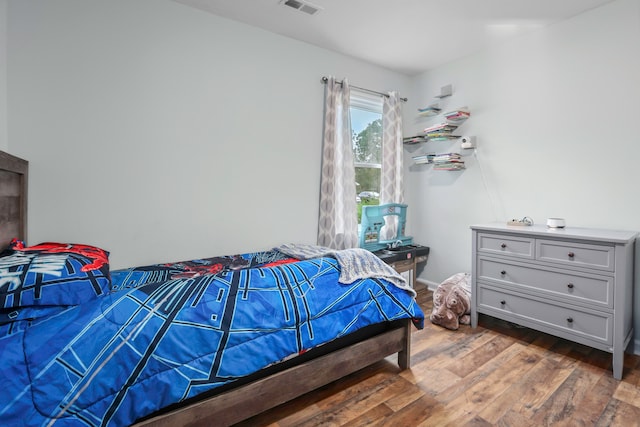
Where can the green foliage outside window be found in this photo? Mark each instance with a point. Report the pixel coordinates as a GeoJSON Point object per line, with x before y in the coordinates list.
{"type": "Point", "coordinates": [367, 150]}
{"type": "Point", "coordinates": [367, 145]}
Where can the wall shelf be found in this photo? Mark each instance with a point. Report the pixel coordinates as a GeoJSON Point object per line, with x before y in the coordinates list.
{"type": "Point", "coordinates": [443, 130]}
{"type": "Point", "coordinates": [445, 91]}
{"type": "Point", "coordinates": [414, 139]}
{"type": "Point", "coordinates": [431, 110]}
{"type": "Point", "coordinates": [441, 162]}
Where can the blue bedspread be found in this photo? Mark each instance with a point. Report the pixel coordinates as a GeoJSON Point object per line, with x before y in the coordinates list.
{"type": "Point", "coordinates": [124, 355]}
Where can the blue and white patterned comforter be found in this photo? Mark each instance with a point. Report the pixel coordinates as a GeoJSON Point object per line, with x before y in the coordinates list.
{"type": "Point", "coordinates": [129, 353]}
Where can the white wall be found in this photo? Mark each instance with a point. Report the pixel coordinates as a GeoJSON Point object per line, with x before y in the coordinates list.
{"type": "Point", "coordinates": [161, 132]}
{"type": "Point", "coordinates": [555, 114]}
{"type": "Point", "coordinates": [556, 118]}
{"type": "Point", "coordinates": [3, 75]}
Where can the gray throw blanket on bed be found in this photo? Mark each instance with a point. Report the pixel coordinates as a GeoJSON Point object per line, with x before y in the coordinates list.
{"type": "Point", "coordinates": [354, 263]}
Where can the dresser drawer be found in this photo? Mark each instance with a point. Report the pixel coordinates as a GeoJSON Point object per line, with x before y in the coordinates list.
{"type": "Point", "coordinates": [570, 286]}
{"type": "Point", "coordinates": [594, 326]}
{"type": "Point", "coordinates": [521, 247]}
{"type": "Point", "coordinates": [601, 257]}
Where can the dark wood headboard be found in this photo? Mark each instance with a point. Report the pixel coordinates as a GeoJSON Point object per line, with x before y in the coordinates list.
{"type": "Point", "coordinates": [14, 173]}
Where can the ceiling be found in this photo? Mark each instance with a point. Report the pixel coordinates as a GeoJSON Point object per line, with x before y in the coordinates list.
{"type": "Point", "coordinates": [407, 36]}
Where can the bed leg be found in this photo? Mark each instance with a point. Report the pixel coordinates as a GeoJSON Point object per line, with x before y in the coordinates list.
{"type": "Point", "coordinates": [404, 355]}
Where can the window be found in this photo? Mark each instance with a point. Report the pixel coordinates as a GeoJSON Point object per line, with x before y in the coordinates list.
{"type": "Point", "coordinates": [366, 130]}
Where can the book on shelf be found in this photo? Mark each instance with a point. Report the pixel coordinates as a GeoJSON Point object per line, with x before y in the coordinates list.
{"type": "Point", "coordinates": [431, 110]}
{"type": "Point", "coordinates": [415, 139]}
{"type": "Point", "coordinates": [441, 161]}
{"type": "Point", "coordinates": [449, 157]}
{"type": "Point", "coordinates": [449, 167]}
{"type": "Point", "coordinates": [423, 158]}
{"type": "Point", "coordinates": [464, 111]}
{"type": "Point", "coordinates": [458, 115]}
{"type": "Point", "coordinates": [448, 160]}
{"type": "Point", "coordinates": [444, 126]}
{"type": "Point", "coordinates": [439, 136]}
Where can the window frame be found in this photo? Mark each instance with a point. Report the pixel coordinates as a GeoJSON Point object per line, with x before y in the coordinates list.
{"type": "Point", "coordinates": [366, 102]}
{"type": "Point", "coordinates": [373, 104]}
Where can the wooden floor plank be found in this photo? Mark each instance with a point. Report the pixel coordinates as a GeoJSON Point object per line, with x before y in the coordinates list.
{"type": "Point", "coordinates": [513, 419]}
{"type": "Point", "coordinates": [545, 391]}
{"type": "Point", "coordinates": [410, 394]}
{"type": "Point", "coordinates": [372, 417]}
{"type": "Point", "coordinates": [520, 392]}
{"type": "Point", "coordinates": [499, 383]}
{"type": "Point", "coordinates": [523, 393]}
{"type": "Point", "coordinates": [411, 414]}
{"type": "Point", "coordinates": [359, 404]}
{"type": "Point", "coordinates": [473, 360]}
{"type": "Point", "coordinates": [480, 376]}
{"type": "Point", "coordinates": [619, 414]}
{"type": "Point", "coordinates": [566, 402]}
{"type": "Point", "coordinates": [629, 390]}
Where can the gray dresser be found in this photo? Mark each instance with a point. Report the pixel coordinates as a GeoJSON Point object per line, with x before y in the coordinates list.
{"type": "Point", "coordinates": [575, 283]}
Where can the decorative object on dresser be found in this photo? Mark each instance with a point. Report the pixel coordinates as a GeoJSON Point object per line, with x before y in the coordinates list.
{"type": "Point", "coordinates": [574, 283]}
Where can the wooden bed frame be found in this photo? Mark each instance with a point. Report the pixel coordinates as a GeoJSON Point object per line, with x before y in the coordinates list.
{"type": "Point", "coordinates": [245, 401]}
{"type": "Point", "coordinates": [13, 198]}
{"type": "Point", "coordinates": [262, 391]}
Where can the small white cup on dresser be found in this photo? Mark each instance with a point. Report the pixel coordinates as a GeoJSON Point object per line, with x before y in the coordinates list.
{"type": "Point", "coordinates": [556, 222]}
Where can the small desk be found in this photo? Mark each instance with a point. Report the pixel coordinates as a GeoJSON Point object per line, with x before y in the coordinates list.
{"type": "Point", "coordinates": [404, 260]}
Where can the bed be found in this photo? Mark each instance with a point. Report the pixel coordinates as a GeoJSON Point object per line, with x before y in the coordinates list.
{"type": "Point", "coordinates": [209, 342]}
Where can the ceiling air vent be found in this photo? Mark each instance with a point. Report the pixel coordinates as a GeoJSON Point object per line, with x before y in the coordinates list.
{"type": "Point", "coordinates": [302, 6]}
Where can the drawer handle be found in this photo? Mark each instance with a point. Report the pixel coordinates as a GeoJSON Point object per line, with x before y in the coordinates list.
{"type": "Point", "coordinates": [504, 245]}
{"type": "Point", "coordinates": [571, 254]}
{"type": "Point", "coordinates": [503, 302]}
{"type": "Point", "coordinates": [570, 319]}
{"type": "Point", "coordinates": [570, 285]}
{"type": "Point", "coordinates": [503, 272]}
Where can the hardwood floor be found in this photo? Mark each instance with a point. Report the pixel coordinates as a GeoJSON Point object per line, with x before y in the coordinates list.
{"type": "Point", "coordinates": [496, 375]}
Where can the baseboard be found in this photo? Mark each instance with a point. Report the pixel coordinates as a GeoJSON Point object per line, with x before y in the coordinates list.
{"type": "Point", "coordinates": [429, 284]}
{"type": "Point", "coordinates": [634, 347]}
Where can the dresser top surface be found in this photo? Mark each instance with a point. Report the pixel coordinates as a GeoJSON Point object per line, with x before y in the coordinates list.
{"type": "Point", "coordinates": [573, 233]}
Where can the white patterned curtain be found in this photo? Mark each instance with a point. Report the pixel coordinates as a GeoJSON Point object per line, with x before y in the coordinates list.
{"type": "Point", "coordinates": [392, 160]}
{"type": "Point", "coordinates": [338, 221]}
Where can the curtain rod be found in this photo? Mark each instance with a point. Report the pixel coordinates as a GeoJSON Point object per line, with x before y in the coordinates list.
{"type": "Point", "coordinates": [324, 80]}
